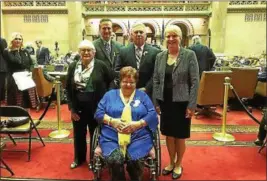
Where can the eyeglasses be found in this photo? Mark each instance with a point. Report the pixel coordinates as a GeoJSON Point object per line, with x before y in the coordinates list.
{"type": "Point", "coordinates": [18, 39]}
{"type": "Point", "coordinates": [128, 83]}
{"type": "Point", "coordinates": [87, 50]}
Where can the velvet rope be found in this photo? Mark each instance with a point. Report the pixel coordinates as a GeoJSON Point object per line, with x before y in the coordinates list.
{"type": "Point", "coordinates": [247, 111]}
{"type": "Point", "coordinates": [48, 104]}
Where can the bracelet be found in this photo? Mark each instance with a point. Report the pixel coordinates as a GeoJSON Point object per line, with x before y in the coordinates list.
{"type": "Point", "coordinates": [109, 121]}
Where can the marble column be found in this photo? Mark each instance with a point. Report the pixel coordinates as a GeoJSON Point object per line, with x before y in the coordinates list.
{"type": "Point", "coordinates": [217, 26]}
{"type": "Point", "coordinates": [2, 33]}
{"type": "Point", "coordinates": [76, 24]}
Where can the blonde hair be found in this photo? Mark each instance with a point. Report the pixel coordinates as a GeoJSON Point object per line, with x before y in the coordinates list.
{"type": "Point", "coordinates": [172, 29]}
{"type": "Point", "coordinates": [13, 36]}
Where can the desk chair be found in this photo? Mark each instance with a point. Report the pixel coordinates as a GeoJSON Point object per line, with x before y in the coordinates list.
{"type": "Point", "coordinates": [211, 92]}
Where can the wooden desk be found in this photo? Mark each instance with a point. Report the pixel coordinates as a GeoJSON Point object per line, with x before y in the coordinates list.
{"type": "Point", "coordinates": [62, 75]}
{"type": "Point", "coordinates": [57, 73]}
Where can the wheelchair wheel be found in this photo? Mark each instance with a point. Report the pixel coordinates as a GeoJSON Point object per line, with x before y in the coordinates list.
{"type": "Point", "coordinates": [158, 153]}
{"type": "Point", "coordinates": [155, 164]}
{"type": "Point", "coordinates": [97, 167]}
{"type": "Point", "coordinates": [94, 145]}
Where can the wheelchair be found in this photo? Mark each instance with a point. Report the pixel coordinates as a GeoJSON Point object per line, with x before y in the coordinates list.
{"type": "Point", "coordinates": [152, 160]}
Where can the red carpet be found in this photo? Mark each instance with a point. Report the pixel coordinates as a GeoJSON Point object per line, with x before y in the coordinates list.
{"type": "Point", "coordinates": [200, 163]}
{"type": "Point", "coordinates": [194, 135]}
{"type": "Point", "coordinates": [233, 117]}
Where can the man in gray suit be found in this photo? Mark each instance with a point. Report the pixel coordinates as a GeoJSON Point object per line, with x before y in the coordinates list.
{"type": "Point", "coordinates": [141, 56]}
{"type": "Point", "coordinates": [107, 49]}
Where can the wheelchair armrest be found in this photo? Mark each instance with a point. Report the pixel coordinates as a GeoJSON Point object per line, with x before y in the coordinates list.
{"type": "Point", "coordinates": [98, 151]}
{"type": "Point", "coordinates": [152, 153]}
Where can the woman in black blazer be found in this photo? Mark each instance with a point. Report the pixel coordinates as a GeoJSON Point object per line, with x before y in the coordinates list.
{"type": "Point", "coordinates": [19, 60]}
{"type": "Point", "coordinates": [175, 87]}
{"type": "Point", "coordinates": [87, 81]}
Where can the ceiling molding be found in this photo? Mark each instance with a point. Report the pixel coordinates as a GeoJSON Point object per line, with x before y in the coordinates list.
{"type": "Point", "coordinates": [246, 10]}
{"type": "Point", "coordinates": [46, 11]}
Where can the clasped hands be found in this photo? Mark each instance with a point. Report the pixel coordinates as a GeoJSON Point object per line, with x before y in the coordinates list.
{"type": "Point", "coordinates": [125, 128]}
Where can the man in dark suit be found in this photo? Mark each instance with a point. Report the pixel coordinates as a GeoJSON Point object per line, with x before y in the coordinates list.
{"type": "Point", "coordinates": [205, 56]}
{"type": "Point", "coordinates": [42, 53]}
{"type": "Point", "coordinates": [3, 68]}
{"type": "Point", "coordinates": [107, 49]}
{"type": "Point", "coordinates": [141, 56]}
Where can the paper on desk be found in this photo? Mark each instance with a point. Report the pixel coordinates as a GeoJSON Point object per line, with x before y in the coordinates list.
{"type": "Point", "coordinates": [23, 80]}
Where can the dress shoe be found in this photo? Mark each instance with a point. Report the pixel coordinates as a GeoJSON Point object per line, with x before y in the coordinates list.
{"type": "Point", "coordinates": [74, 165]}
{"type": "Point", "coordinates": [166, 172]}
{"type": "Point", "coordinates": [258, 142]}
{"type": "Point", "coordinates": [177, 175]}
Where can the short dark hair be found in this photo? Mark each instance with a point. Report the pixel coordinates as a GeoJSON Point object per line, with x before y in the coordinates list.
{"type": "Point", "coordinates": [129, 71]}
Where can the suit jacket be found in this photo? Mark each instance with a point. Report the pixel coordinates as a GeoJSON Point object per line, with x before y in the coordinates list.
{"type": "Point", "coordinates": [127, 58]}
{"type": "Point", "coordinates": [185, 77]}
{"type": "Point", "coordinates": [42, 56]}
{"type": "Point", "coordinates": [101, 78]}
{"type": "Point", "coordinates": [3, 63]}
{"type": "Point", "coordinates": [101, 53]}
{"type": "Point", "coordinates": [205, 57]}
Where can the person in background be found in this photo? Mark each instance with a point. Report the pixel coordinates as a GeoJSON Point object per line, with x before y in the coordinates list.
{"type": "Point", "coordinates": [18, 60]}
{"type": "Point", "coordinates": [3, 68]}
{"type": "Point", "coordinates": [107, 49]}
{"type": "Point", "coordinates": [87, 81]}
{"type": "Point", "coordinates": [205, 56]}
{"type": "Point", "coordinates": [113, 36]}
{"type": "Point", "coordinates": [42, 53]}
{"type": "Point", "coordinates": [175, 87]}
{"type": "Point", "coordinates": [126, 113]}
{"type": "Point", "coordinates": [140, 56]}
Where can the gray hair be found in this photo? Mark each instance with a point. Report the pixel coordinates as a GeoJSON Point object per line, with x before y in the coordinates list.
{"type": "Point", "coordinates": [141, 25]}
{"type": "Point", "coordinates": [86, 44]}
{"type": "Point", "coordinates": [196, 39]}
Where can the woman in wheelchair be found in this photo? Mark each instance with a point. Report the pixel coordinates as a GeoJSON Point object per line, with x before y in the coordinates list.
{"type": "Point", "coordinates": [125, 115]}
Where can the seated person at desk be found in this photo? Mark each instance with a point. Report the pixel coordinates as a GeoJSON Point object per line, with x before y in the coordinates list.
{"type": "Point", "coordinates": [125, 113]}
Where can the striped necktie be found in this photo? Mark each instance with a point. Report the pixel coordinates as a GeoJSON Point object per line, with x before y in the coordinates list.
{"type": "Point", "coordinates": [138, 55]}
{"type": "Point", "coordinates": [107, 48]}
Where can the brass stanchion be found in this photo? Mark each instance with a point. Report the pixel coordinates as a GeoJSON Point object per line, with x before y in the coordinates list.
{"type": "Point", "coordinates": [223, 136]}
{"type": "Point", "coordinates": [60, 133]}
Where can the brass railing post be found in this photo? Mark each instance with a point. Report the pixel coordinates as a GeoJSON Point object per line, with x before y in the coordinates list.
{"type": "Point", "coordinates": [223, 136]}
{"type": "Point", "coordinates": [59, 133]}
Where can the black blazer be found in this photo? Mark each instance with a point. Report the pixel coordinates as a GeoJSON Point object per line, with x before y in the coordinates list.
{"type": "Point", "coordinates": [18, 60]}
{"type": "Point", "coordinates": [101, 78]}
{"type": "Point", "coordinates": [3, 63]}
{"type": "Point", "coordinates": [127, 58]}
{"type": "Point", "coordinates": [42, 56]}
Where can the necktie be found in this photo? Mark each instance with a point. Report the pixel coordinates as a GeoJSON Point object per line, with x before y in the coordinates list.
{"type": "Point", "coordinates": [107, 48]}
{"type": "Point", "coordinates": [138, 55]}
